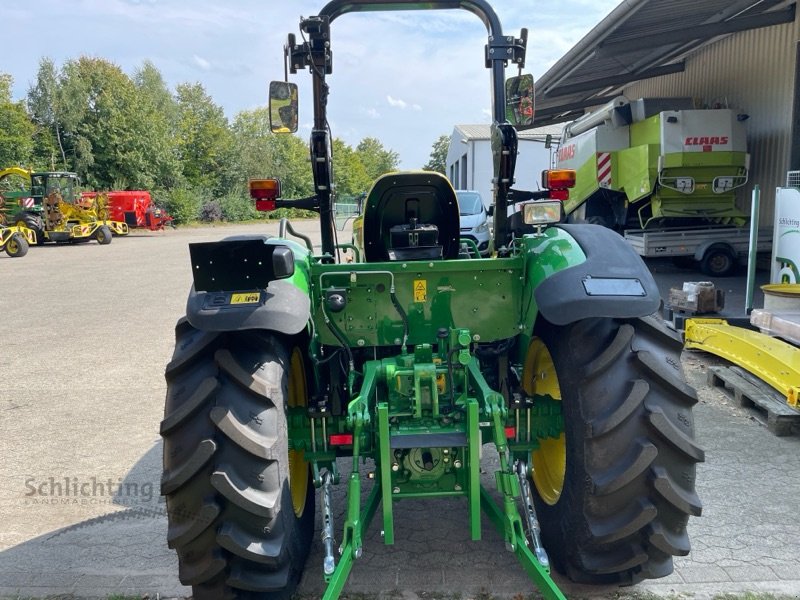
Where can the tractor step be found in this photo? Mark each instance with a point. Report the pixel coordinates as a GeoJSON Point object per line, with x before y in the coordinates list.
{"type": "Point", "coordinates": [749, 392]}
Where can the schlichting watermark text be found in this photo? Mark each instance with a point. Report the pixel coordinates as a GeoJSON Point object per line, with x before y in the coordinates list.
{"type": "Point", "coordinates": [94, 490]}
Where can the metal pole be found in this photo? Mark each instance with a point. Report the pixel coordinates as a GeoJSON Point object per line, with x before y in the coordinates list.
{"type": "Point", "coordinates": [751, 257]}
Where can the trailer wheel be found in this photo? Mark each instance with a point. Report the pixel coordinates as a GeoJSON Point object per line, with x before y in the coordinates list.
{"type": "Point", "coordinates": [718, 262]}
{"type": "Point", "coordinates": [31, 221]}
{"type": "Point", "coordinates": [17, 246]}
{"type": "Point", "coordinates": [240, 503]}
{"type": "Point", "coordinates": [103, 235]}
{"type": "Point", "coordinates": [614, 493]}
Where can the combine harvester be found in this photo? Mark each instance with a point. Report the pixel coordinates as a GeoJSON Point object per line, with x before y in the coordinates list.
{"type": "Point", "coordinates": [666, 175]}
{"type": "Point", "coordinates": [47, 203]}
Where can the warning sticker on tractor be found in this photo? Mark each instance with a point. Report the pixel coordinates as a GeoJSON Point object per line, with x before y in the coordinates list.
{"type": "Point", "coordinates": [248, 298]}
{"type": "Point", "coordinates": [420, 290]}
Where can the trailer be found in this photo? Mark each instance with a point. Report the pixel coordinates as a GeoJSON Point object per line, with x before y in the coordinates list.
{"type": "Point", "coordinates": [135, 208]}
{"type": "Point", "coordinates": [717, 250]}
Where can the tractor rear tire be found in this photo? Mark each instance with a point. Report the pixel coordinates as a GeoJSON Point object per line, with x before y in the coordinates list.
{"type": "Point", "coordinates": [628, 453]}
{"type": "Point", "coordinates": [17, 246]}
{"type": "Point", "coordinates": [241, 527]}
{"type": "Point", "coordinates": [103, 235]}
{"type": "Point", "coordinates": [31, 221]}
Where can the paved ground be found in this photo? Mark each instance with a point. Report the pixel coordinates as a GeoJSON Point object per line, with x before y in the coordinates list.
{"type": "Point", "coordinates": [88, 332]}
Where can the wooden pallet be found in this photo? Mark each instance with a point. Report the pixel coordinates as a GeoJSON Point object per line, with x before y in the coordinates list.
{"type": "Point", "coordinates": [750, 392]}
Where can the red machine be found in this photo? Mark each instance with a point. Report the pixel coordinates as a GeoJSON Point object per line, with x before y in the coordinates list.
{"type": "Point", "coordinates": [135, 208]}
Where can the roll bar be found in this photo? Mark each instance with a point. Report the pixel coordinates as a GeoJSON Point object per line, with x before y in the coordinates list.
{"type": "Point", "coordinates": [316, 54]}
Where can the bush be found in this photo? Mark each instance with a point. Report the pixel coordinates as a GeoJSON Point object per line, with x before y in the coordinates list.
{"type": "Point", "coordinates": [182, 203]}
{"type": "Point", "coordinates": [238, 208]}
{"type": "Point", "coordinates": [211, 212]}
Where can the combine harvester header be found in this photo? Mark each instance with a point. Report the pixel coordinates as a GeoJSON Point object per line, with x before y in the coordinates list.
{"type": "Point", "coordinates": [656, 161]}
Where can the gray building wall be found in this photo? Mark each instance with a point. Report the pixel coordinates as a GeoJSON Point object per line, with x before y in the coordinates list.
{"type": "Point", "coordinates": [753, 71]}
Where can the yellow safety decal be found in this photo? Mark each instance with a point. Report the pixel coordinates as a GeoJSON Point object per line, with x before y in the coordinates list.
{"type": "Point", "coordinates": [246, 298]}
{"type": "Point", "coordinates": [420, 290]}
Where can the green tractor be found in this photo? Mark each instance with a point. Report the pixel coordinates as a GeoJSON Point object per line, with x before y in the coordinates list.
{"type": "Point", "coordinates": [295, 371]}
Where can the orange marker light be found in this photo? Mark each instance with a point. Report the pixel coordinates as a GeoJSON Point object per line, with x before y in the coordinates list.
{"type": "Point", "coordinates": [558, 179]}
{"type": "Point", "coordinates": [265, 192]}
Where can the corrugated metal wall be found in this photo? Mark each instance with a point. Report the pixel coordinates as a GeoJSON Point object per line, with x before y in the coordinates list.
{"type": "Point", "coordinates": [753, 71]}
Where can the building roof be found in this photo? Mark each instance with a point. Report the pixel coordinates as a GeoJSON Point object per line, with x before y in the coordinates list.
{"type": "Point", "coordinates": [483, 132]}
{"type": "Point", "coordinates": [641, 39]}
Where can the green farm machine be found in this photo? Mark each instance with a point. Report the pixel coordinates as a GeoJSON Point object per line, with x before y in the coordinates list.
{"type": "Point", "coordinates": [654, 162]}
{"type": "Point", "coordinates": [48, 203]}
{"type": "Point", "coordinates": [295, 371]}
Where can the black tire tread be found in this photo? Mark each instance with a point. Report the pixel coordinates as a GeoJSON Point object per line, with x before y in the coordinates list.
{"type": "Point", "coordinates": [629, 486]}
{"type": "Point", "coordinates": [226, 480]}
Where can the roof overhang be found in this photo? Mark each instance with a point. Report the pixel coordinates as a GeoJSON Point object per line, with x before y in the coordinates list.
{"type": "Point", "coordinates": [642, 39]}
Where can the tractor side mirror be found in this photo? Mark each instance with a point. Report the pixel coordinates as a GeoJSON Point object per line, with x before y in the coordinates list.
{"type": "Point", "coordinates": [519, 100]}
{"type": "Point", "coordinates": [283, 107]}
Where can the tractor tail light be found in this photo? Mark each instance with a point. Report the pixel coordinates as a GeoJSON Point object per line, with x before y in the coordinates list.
{"type": "Point", "coordinates": [559, 195]}
{"type": "Point", "coordinates": [265, 192]}
{"type": "Point", "coordinates": [511, 432]}
{"type": "Point", "coordinates": [341, 439]}
{"type": "Point", "coordinates": [558, 179]}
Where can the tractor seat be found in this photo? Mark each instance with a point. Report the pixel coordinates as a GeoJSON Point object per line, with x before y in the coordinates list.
{"type": "Point", "coordinates": [411, 216]}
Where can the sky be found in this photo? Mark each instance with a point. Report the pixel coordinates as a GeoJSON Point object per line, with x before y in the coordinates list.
{"type": "Point", "coordinates": [403, 77]}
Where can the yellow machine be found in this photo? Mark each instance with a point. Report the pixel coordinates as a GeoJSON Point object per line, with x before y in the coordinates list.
{"type": "Point", "coordinates": [49, 205]}
{"type": "Point", "coordinates": [16, 240]}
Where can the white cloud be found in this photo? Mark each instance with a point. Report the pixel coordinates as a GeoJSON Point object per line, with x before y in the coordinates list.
{"type": "Point", "coordinates": [397, 102]}
{"type": "Point", "coordinates": [372, 113]}
{"type": "Point", "coordinates": [201, 62]}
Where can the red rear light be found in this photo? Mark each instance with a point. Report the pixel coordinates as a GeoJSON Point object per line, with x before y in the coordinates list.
{"type": "Point", "coordinates": [558, 179]}
{"type": "Point", "coordinates": [559, 194]}
{"type": "Point", "coordinates": [265, 192]}
{"type": "Point", "coordinates": [511, 432]}
{"type": "Point", "coordinates": [341, 439]}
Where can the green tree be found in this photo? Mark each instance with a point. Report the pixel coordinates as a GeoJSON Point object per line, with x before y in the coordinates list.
{"type": "Point", "coordinates": [376, 159]}
{"type": "Point", "coordinates": [16, 129]}
{"type": "Point", "coordinates": [157, 123]}
{"type": "Point", "coordinates": [438, 156]}
{"type": "Point", "coordinates": [203, 135]}
{"type": "Point", "coordinates": [257, 152]}
{"type": "Point", "coordinates": [350, 176]}
{"type": "Point", "coordinates": [44, 99]}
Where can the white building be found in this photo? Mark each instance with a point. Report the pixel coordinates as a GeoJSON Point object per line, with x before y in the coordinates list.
{"type": "Point", "coordinates": [469, 158]}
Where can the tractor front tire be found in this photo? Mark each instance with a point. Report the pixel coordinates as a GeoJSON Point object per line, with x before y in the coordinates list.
{"type": "Point", "coordinates": [614, 494]}
{"type": "Point", "coordinates": [240, 503]}
{"type": "Point", "coordinates": [103, 235]}
{"type": "Point", "coordinates": [31, 221]}
{"type": "Point", "coordinates": [16, 246]}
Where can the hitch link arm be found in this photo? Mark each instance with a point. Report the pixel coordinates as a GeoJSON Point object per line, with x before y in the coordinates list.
{"type": "Point", "coordinates": [530, 512]}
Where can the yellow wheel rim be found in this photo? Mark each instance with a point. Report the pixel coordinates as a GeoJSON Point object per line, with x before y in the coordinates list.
{"type": "Point", "coordinates": [298, 469]}
{"type": "Point", "coordinates": [549, 462]}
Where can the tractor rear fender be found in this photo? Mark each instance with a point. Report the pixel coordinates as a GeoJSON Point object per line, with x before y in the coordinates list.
{"type": "Point", "coordinates": [249, 282]}
{"type": "Point", "coordinates": [613, 281]}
